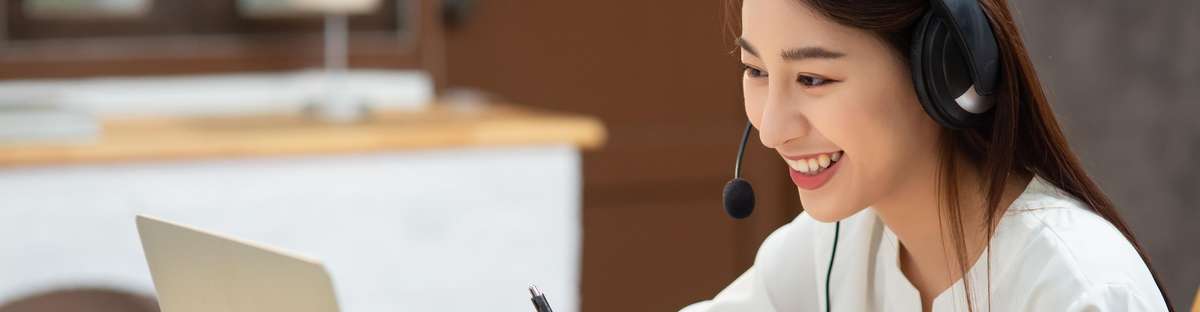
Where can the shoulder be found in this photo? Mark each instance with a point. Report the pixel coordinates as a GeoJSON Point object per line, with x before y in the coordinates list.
{"type": "Point", "coordinates": [1056, 228]}
{"type": "Point", "coordinates": [1114, 297]}
{"type": "Point", "coordinates": [1055, 245]}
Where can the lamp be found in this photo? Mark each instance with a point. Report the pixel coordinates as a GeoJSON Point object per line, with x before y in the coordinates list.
{"type": "Point", "coordinates": [335, 105]}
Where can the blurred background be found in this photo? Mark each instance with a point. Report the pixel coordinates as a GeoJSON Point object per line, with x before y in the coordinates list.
{"type": "Point", "coordinates": [606, 128]}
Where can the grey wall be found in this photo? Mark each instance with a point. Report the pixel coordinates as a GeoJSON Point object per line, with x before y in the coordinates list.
{"type": "Point", "coordinates": [1124, 79]}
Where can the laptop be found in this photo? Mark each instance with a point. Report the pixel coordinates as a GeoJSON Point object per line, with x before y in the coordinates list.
{"type": "Point", "coordinates": [200, 271]}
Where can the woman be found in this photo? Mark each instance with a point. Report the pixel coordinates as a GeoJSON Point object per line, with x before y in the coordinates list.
{"type": "Point", "coordinates": [933, 174]}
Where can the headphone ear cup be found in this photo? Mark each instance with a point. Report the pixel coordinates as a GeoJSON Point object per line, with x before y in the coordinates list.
{"type": "Point", "coordinates": [940, 74]}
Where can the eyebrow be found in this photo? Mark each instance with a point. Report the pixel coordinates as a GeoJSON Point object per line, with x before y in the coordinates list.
{"type": "Point", "coordinates": [797, 53]}
{"type": "Point", "coordinates": [810, 52]}
{"type": "Point", "coordinates": [746, 46]}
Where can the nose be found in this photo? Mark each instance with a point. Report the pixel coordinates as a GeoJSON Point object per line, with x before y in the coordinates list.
{"type": "Point", "coordinates": [782, 119]}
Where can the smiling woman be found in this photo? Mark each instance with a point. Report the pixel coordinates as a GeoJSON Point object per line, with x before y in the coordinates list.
{"type": "Point", "coordinates": [924, 150]}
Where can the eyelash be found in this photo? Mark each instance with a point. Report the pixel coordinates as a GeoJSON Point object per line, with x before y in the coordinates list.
{"type": "Point", "coordinates": [752, 72]}
{"type": "Point", "coordinates": [806, 80]}
{"type": "Point", "coordinates": [814, 81]}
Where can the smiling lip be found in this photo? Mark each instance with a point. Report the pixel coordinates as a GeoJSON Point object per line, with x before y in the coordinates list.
{"type": "Point", "coordinates": [812, 182]}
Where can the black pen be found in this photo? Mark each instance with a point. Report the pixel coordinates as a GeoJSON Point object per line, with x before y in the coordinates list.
{"type": "Point", "coordinates": [539, 300]}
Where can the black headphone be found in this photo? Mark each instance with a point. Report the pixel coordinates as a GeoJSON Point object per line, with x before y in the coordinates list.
{"type": "Point", "coordinates": [955, 65]}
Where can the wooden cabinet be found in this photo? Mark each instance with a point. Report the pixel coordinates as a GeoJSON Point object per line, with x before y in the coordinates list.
{"type": "Point", "coordinates": [661, 76]}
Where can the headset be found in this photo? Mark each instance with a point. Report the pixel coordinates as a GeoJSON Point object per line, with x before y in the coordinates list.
{"type": "Point", "coordinates": [954, 61]}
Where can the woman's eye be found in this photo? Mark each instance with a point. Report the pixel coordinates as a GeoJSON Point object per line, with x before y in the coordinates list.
{"type": "Point", "coordinates": [753, 72]}
{"type": "Point", "coordinates": [812, 81]}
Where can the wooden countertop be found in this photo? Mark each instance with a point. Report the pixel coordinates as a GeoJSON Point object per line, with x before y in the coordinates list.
{"type": "Point", "coordinates": [438, 126]}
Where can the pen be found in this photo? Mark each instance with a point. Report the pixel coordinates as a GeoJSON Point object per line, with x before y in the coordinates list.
{"type": "Point", "coordinates": [539, 300]}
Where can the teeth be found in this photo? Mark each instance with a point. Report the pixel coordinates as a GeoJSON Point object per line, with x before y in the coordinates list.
{"type": "Point", "coordinates": [815, 165]}
{"type": "Point", "coordinates": [801, 166]}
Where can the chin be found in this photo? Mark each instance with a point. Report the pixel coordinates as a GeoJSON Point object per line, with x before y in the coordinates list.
{"type": "Point", "coordinates": [827, 210]}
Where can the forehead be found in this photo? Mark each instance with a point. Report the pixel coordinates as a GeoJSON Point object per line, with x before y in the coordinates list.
{"type": "Point", "coordinates": [771, 26]}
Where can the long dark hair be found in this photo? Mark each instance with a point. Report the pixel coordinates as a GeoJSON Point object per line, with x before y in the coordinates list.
{"type": "Point", "coordinates": [1022, 138]}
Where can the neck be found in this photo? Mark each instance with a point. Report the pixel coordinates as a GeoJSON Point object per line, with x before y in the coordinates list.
{"type": "Point", "coordinates": [922, 223]}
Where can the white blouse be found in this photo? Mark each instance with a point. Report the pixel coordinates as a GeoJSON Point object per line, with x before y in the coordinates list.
{"type": "Point", "coordinates": [1048, 253]}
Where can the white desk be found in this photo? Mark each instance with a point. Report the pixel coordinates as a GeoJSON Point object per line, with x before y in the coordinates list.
{"type": "Point", "coordinates": [436, 227]}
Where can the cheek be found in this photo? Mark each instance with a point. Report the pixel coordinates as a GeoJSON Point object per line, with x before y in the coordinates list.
{"type": "Point", "coordinates": [848, 124]}
{"type": "Point", "coordinates": [851, 120]}
{"type": "Point", "coordinates": [886, 133]}
{"type": "Point", "coordinates": [898, 136]}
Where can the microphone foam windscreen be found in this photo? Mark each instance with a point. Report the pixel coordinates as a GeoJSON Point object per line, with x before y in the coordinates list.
{"type": "Point", "coordinates": [739, 198]}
